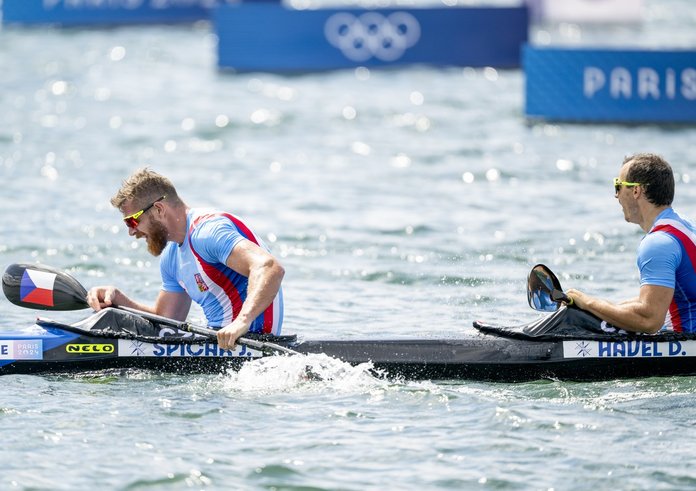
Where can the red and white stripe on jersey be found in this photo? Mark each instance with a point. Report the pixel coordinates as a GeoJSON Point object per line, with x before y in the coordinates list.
{"type": "Point", "coordinates": [219, 284]}
{"type": "Point", "coordinates": [688, 241]}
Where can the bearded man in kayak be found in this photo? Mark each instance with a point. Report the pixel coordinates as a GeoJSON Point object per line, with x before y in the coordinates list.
{"type": "Point", "coordinates": [208, 256]}
{"type": "Point", "coordinates": [666, 255]}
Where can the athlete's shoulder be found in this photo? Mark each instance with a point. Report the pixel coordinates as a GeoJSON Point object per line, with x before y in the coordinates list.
{"type": "Point", "coordinates": [213, 235]}
{"type": "Point", "coordinates": [670, 226]}
{"type": "Point", "coordinates": [659, 249]}
{"type": "Point", "coordinates": [203, 222]}
{"type": "Point", "coordinates": [671, 218]}
{"type": "Point", "coordinates": [686, 221]}
{"type": "Point", "coordinates": [659, 239]}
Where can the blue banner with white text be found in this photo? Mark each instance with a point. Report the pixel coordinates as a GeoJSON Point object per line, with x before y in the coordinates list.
{"type": "Point", "coordinates": [269, 37]}
{"type": "Point", "coordinates": [104, 12]}
{"type": "Point", "coordinates": [607, 85]}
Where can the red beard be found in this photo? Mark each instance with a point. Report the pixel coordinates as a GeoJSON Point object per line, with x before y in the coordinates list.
{"type": "Point", "coordinates": [156, 239]}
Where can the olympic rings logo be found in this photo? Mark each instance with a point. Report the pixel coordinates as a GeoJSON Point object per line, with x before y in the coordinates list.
{"type": "Point", "coordinates": [372, 35]}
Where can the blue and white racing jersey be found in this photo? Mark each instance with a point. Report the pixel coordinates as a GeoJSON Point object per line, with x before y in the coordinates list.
{"type": "Point", "coordinates": [198, 267]}
{"type": "Point", "coordinates": [667, 257]}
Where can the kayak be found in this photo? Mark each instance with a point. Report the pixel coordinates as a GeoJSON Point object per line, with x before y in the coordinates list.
{"type": "Point", "coordinates": [568, 344]}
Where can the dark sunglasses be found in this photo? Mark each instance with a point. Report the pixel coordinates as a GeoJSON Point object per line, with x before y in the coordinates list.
{"type": "Point", "coordinates": [132, 221]}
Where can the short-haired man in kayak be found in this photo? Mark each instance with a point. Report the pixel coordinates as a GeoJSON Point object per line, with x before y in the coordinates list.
{"type": "Point", "coordinates": [666, 255]}
{"type": "Point", "coordinates": [207, 256]}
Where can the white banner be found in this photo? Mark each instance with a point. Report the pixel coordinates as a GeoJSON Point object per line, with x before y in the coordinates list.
{"type": "Point", "coordinates": [131, 347]}
{"type": "Point", "coordinates": [642, 348]}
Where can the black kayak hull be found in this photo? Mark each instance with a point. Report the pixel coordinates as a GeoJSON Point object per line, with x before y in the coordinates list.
{"type": "Point", "coordinates": [525, 353]}
{"type": "Point", "coordinates": [488, 358]}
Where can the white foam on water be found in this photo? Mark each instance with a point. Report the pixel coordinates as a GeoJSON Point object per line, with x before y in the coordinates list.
{"type": "Point", "coordinates": [313, 372]}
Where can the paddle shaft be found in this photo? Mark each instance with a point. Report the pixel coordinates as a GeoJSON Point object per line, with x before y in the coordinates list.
{"type": "Point", "coordinates": [211, 333]}
{"type": "Point", "coordinates": [560, 296]}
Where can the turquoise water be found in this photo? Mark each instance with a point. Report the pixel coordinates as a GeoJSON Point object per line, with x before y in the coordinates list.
{"type": "Point", "coordinates": [401, 202]}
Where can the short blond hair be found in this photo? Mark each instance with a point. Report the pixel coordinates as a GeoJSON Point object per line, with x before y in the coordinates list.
{"type": "Point", "coordinates": [144, 186]}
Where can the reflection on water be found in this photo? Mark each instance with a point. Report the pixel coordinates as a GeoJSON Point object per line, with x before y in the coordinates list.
{"type": "Point", "coordinates": [407, 201]}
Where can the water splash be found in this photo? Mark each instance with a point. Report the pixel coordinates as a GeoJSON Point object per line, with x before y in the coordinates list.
{"type": "Point", "coordinates": [314, 373]}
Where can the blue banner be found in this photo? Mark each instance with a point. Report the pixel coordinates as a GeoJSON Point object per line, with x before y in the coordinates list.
{"type": "Point", "coordinates": [104, 12]}
{"type": "Point", "coordinates": [270, 37]}
{"type": "Point", "coordinates": [605, 85]}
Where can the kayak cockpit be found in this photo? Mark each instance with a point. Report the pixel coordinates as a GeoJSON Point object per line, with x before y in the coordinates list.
{"type": "Point", "coordinates": [119, 324]}
{"type": "Point", "coordinates": [573, 323]}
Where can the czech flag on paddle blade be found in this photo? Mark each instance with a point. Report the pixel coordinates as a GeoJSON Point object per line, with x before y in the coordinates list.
{"type": "Point", "coordinates": [37, 287]}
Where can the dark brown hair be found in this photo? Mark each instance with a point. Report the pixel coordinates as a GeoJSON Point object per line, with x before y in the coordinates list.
{"type": "Point", "coordinates": [654, 174]}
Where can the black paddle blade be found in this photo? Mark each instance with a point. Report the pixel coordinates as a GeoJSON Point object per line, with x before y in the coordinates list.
{"type": "Point", "coordinates": [42, 287]}
{"type": "Point", "coordinates": [544, 291]}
